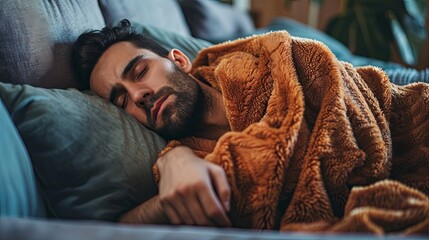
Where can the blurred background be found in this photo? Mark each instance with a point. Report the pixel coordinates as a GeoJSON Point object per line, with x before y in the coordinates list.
{"type": "Point", "coordinates": [387, 30]}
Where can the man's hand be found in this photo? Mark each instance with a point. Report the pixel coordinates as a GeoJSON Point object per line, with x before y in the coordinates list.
{"type": "Point", "coordinates": [193, 191]}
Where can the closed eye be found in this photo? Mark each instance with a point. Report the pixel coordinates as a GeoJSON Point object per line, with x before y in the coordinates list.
{"type": "Point", "coordinates": [124, 101]}
{"type": "Point", "coordinates": [142, 73]}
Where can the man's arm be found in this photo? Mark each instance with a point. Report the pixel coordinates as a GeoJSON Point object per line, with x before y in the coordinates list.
{"type": "Point", "coordinates": [149, 212]}
{"type": "Point", "coordinates": [192, 190]}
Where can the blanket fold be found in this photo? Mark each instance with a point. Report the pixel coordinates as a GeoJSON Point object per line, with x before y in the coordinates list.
{"type": "Point", "coordinates": [317, 144]}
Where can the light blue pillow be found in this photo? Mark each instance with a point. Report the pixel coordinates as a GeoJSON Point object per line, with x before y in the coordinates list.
{"type": "Point", "coordinates": [18, 189]}
{"type": "Point", "coordinates": [92, 160]}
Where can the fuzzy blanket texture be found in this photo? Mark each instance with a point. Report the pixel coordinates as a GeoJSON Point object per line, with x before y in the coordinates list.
{"type": "Point", "coordinates": [316, 145]}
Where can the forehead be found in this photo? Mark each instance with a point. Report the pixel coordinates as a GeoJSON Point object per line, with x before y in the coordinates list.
{"type": "Point", "coordinates": [109, 67]}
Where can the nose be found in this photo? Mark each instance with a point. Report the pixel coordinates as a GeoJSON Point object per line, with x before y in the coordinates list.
{"type": "Point", "coordinates": [140, 95]}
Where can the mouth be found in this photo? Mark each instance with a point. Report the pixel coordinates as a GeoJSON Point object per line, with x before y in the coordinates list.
{"type": "Point", "coordinates": [157, 107]}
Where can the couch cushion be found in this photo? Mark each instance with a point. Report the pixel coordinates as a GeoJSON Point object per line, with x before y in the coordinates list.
{"type": "Point", "coordinates": [164, 14]}
{"type": "Point", "coordinates": [19, 195]}
{"type": "Point", "coordinates": [169, 40]}
{"type": "Point", "coordinates": [36, 38]}
{"type": "Point", "coordinates": [215, 21]}
{"type": "Point", "coordinates": [92, 159]}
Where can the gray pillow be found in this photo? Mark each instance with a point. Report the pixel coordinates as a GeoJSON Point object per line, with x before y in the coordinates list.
{"type": "Point", "coordinates": [169, 40]}
{"type": "Point", "coordinates": [92, 160]}
{"type": "Point", "coordinates": [164, 14]}
{"type": "Point", "coordinates": [36, 39]}
{"type": "Point", "coordinates": [215, 21]}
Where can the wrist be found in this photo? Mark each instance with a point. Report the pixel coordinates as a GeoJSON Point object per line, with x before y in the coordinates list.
{"type": "Point", "coordinates": [176, 154]}
{"type": "Point", "coordinates": [149, 212]}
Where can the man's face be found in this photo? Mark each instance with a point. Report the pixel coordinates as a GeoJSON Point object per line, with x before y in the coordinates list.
{"type": "Point", "coordinates": [151, 88]}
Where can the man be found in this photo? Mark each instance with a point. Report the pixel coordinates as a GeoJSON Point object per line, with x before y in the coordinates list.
{"type": "Point", "coordinates": [155, 87]}
{"type": "Point", "coordinates": [293, 129]}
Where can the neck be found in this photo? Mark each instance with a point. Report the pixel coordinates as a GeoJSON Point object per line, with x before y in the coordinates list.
{"type": "Point", "coordinates": [214, 123]}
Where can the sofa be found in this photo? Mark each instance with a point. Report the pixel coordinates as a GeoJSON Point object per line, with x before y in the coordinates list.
{"type": "Point", "coordinates": [70, 162]}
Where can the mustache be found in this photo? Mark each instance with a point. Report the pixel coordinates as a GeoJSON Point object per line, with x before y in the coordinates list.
{"type": "Point", "coordinates": [164, 91]}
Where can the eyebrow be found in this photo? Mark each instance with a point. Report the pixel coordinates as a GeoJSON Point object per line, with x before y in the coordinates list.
{"type": "Point", "coordinates": [131, 64]}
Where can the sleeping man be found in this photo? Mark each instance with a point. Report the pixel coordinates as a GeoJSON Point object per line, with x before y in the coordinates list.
{"type": "Point", "coordinates": [269, 132]}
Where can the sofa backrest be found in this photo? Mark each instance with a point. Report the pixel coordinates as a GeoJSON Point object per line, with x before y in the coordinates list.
{"type": "Point", "coordinates": [163, 14]}
{"type": "Point", "coordinates": [36, 38]}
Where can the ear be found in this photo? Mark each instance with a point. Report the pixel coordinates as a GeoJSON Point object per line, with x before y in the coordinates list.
{"type": "Point", "coordinates": [180, 59]}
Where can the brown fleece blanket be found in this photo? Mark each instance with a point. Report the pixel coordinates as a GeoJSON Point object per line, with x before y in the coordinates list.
{"type": "Point", "coordinates": [316, 144]}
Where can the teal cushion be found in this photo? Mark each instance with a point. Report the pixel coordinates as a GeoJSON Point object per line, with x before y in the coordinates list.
{"type": "Point", "coordinates": [169, 40]}
{"type": "Point", "coordinates": [18, 189]}
{"type": "Point", "coordinates": [92, 160]}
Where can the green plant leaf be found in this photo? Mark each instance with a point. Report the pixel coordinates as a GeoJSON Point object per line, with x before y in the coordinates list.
{"type": "Point", "coordinates": [372, 27]}
{"type": "Point", "coordinates": [416, 11]}
{"type": "Point", "coordinates": [402, 42]}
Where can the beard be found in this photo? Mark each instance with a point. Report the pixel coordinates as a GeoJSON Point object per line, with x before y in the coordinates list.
{"type": "Point", "coordinates": [181, 117]}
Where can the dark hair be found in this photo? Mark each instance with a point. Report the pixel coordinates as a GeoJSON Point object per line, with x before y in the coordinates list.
{"type": "Point", "coordinates": [91, 45]}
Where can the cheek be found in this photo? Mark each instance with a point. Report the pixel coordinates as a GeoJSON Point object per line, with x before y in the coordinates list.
{"type": "Point", "coordinates": [138, 113]}
{"type": "Point", "coordinates": [159, 77]}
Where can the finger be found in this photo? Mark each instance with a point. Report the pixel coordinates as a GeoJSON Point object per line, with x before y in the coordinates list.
{"type": "Point", "coordinates": [171, 214]}
{"type": "Point", "coordinates": [197, 212]}
{"type": "Point", "coordinates": [221, 185]}
{"type": "Point", "coordinates": [182, 212]}
{"type": "Point", "coordinates": [212, 207]}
